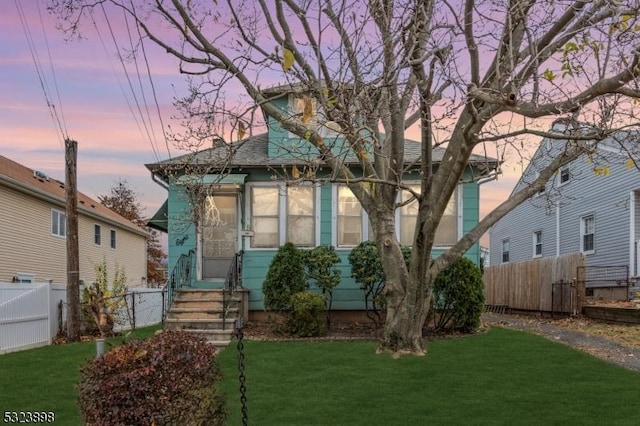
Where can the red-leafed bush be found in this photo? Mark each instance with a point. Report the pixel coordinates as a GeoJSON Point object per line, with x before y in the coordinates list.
{"type": "Point", "coordinates": [169, 379]}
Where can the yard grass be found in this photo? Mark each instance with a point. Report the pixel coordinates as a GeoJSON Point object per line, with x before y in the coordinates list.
{"type": "Point", "coordinates": [502, 377]}
{"type": "Point", "coordinates": [45, 379]}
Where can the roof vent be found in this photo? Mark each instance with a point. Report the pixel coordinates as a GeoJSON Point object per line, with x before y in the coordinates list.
{"type": "Point", "coordinates": [40, 175]}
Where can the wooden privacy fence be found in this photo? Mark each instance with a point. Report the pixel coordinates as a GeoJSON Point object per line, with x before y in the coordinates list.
{"type": "Point", "coordinates": [547, 285]}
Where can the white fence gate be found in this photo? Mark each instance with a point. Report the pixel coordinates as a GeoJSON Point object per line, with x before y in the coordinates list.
{"type": "Point", "coordinates": [24, 319]}
{"type": "Point", "coordinates": [30, 314]}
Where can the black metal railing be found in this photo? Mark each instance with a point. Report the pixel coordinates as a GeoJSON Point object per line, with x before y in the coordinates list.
{"type": "Point", "coordinates": [181, 276]}
{"type": "Point", "coordinates": [232, 283]}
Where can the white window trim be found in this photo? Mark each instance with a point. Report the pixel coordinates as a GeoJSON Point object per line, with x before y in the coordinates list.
{"type": "Point", "coordinates": [568, 169]}
{"type": "Point", "coordinates": [364, 221]}
{"type": "Point", "coordinates": [321, 127]}
{"type": "Point", "coordinates": [543, 190]}
{"type": "Point", "coordinates": [94, 235]}
{"type": "Point", "coordinates": [582, 234]}
{"type": "Point", "coordinates": [459, 212]}
{"type": "Point", "coordinates": [502, 252]}
{"type": "Point", "coordinates": [534, 254]}
{"type": "Point", "coordinates": [59, 212]}
{"type": "Point", "coordinates": [111, 239]}
{"type": "Point", "coordinates": [282, 214]}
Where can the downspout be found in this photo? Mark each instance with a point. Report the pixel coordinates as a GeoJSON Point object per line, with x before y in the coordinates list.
{"type": "Point", "coordinates": [633, 267]}
{"type": "Point", "coordinates": [558, 230]}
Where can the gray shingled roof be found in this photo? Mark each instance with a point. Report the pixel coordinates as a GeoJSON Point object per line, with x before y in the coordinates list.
{"type": "Point", "coordinates": [253, 152]}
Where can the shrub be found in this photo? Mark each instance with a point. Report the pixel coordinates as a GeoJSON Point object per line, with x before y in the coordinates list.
{"type": "Point", "coordinates": [366, 268]}
{"type": "Point", "coordinates": [285, 278]}
{"type": "Point", "coordinates": [319, 268]}
{"type": "Point", "coordinates": [166, 380]}
{"type": "Point", "coordinates": [458, 297]}
{"type": "Point", "coordinates": [306, 316]}
{"type": "Point", "coordinates": [104, 305]}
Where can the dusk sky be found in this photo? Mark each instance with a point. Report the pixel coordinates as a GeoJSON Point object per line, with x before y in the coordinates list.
{"type": "Point", "coordinates": [86, 83]}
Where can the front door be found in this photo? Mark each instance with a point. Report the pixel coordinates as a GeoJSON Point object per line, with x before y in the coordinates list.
{"type": "Point", "coordinates": [219, 235]}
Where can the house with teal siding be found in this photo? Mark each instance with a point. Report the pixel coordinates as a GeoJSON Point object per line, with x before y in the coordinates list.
{"type": "Point", "coordinates": [233, 205]}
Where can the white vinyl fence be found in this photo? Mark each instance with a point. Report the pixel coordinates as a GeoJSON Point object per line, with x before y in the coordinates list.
{"type": "Point", "coordinates": [32, 314]}
{"type": "Point", "coordinates": [24, 318]}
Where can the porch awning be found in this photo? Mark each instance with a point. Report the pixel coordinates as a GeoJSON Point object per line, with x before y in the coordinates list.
{"type": "Point", "coordinates": [160, 220]}
{"type": "Point", "coordinates": [230, 179]}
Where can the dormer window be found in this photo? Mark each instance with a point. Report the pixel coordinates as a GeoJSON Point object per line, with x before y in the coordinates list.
{"type": "Point", "coordinates": [306, 109]}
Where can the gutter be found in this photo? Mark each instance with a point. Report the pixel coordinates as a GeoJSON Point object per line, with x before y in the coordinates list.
{"type": "Point", "coordinates": [47, 197]}
{"type": "Point", "coordinates": [159, 181]}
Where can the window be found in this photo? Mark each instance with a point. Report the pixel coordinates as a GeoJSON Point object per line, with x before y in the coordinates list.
{"type": "Point", "coordinates": [113, 238]}
{"type": "Point", "coordinates": [97, 235]}
{"type": "Point", "coordinates": [301, 216]}
{"type": "Point", "coordinates": [280, 214]}
{"type": "Point", "coordinates": [349, 218]}
{"type": "Point", "coordinates": [265, 212]}
{"type": "Point", "coordinates": [58, 223]}
{"type": "Point", "coordinates": [587, 234]}
{"type": "Point", "coordinates": [505, 251]}
{"type": "Point", "coordinates": [564, 175]}
{"type": "Point", "coordinates": [541, 191]}
{"type": "Point", "coordinates": [306, 109]}
{"type": "Point", "coordinates": [537, 244]}
{"type": "Point", "coordinates": [447, 232]}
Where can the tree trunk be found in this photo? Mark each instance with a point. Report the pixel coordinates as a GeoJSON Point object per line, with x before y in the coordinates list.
{"type": "Point", "coordinates": [406, 316]}
{"type": "Point", "coordinates": [408, 293]}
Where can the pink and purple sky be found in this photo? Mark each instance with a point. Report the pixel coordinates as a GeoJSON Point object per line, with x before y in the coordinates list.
{"type": "Point", "coordinates": [85, 82]}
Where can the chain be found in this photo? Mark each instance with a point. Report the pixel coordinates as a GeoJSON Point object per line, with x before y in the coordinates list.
{"type": "Point", "coordinates": [243, 388]}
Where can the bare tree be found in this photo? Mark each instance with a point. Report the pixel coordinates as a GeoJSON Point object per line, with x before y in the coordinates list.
{"type": "Point", "coordinates": [472, 76]}
{"type": "Point", "coordinates": [124, 201]}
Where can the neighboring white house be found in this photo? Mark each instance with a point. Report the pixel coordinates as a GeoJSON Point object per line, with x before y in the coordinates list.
{"type": "Point", "coordinates": [592, 206]}
{"type": "Point", "coordinates": [33, 232]}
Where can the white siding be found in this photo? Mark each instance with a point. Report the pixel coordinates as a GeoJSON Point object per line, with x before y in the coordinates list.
{"type": "Point", "coordinates": [27, 245]}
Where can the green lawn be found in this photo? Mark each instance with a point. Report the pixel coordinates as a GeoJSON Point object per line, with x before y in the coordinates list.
{"type": "Point", "coordinates": [502, 377]}
{"type": "Point", "coordinates": [44, 379]}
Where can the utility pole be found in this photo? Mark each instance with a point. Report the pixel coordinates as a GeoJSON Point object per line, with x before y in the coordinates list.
{"type": "Point", "coordinates": [73, 260]}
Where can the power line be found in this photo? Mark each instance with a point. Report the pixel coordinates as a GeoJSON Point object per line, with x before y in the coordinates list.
{"type": "Point", "coordinates": [153, 87]}
{"type": "Point", "coordinates": [142, 92]}
{"type": "Point", "coordinates": [61, 128]}
{"type": "Point", "coordinates": [53, 71]}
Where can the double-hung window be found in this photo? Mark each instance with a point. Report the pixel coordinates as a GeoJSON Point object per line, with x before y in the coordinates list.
{"type": "Point", "coordinates": [58, 223]}
{"type": "Point", "coordinates": [537, 244]}
{"type": "Point", "coordinates": [265, 216]}
{"type": "Point", "coordinates": [97, 235]}
{"type": "Point", "coordinates": [447, 232]}
{"type": "Point", "coordinates": [306, 109]}
{"type": "Point", "coordinates": [505, 250]}
{"type": "Point", "coordinates": [565, 176]}
{"type": "Point", "coordinates": [301, 215]}
{"type": "Point", "coordinates": [280, 214]}
{"type": "Point", "coordinates": [348, 218]}
{"type": "Point", "coordinates": [587, 234]}
{"type": "Point", "coordinates": [113, 240]}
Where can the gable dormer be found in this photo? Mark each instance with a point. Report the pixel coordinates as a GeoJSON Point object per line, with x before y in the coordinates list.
{"type": "Point", "coordinates": [304, 108]}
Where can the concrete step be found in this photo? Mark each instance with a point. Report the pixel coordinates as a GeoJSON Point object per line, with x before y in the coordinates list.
{"type": "Point", "coordinates": [201, 312]}
{"type": "Point", "coordinates": [203, 303]}
{"type": "Point", "coordinates": [220, 340]}
{"type": "Point", "coordinates": [213, 324]}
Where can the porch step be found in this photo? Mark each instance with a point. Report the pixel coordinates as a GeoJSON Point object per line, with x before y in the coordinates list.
{"type": "Point", "coordinates": [201, 311]}
{"type": "Point", "coordinates": [213, 324]}
{"type": "Point", "coordinates": [217, 340]}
